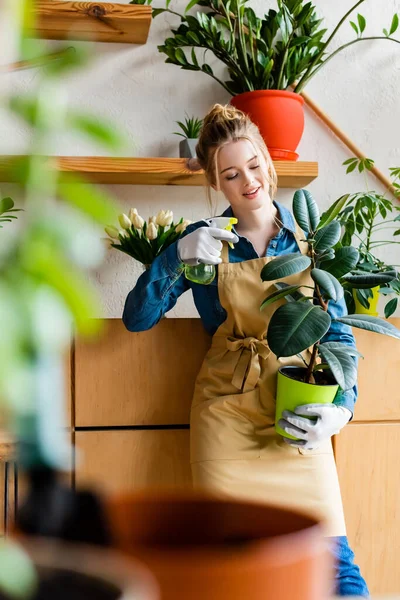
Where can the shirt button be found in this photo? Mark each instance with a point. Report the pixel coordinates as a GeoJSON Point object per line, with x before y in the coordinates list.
{"type": "Point", "coordinates": [273, 244]}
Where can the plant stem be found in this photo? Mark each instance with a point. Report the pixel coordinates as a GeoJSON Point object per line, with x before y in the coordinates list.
{"type": "Point", "coordinates": [307, 75]}
{"type": "Point", "coordinates": [364, 39]}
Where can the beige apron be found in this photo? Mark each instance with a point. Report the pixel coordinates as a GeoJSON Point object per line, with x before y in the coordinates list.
{"type": "Point", "coordinates": [234, 447]}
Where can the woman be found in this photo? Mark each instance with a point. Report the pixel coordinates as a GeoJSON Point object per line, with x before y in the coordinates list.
{"type": "Point", "coordinates": [234, 447]}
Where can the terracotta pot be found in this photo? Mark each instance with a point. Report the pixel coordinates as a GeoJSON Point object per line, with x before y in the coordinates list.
{"type": "Point", "coordinates": [280, 119]}
{"type": "Point", "coordinates": [79, 572]}
{"type": "Point", "coordinates": [201, 547]}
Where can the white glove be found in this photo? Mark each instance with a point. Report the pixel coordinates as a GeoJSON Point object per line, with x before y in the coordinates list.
{"type": "Point", "coordinates": [204, 246]}
{"type": "Point", "coordinates": [330, 420]}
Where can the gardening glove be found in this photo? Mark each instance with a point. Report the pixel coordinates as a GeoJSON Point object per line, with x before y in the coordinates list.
{"type": "Point", "coordinates": [204, 246]}
{"type": "Point", "coordinates": [327, 419]}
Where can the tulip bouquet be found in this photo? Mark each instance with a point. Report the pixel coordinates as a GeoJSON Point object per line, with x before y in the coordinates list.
{"type": "Point", "coordinates": [145, 240]}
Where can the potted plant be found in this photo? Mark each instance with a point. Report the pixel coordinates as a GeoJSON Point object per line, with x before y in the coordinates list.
{"type": "Point", "coordinates": [264, 57]}
{"type": "Point", "coordinates": [7, 207]}
{"type": "Point", "coordinates": [191, 129]}
{"type": "Point", "coordinates": [365, 217]}
{"type": "Point", "coordinates": [302, 322]}
{"type": "Point", "coordinates": [44, 296]}
{"type": "Point", "coordinates": [142, 240]}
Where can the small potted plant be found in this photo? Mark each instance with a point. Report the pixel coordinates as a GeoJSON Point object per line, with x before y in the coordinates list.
{"type": "Point", "coordinates": [7, 207]}
{"type": "Point", "coordinates": [142, 240]}
{"type": "Point", "coordinates": [191, 129]}
{"type": "Point", "coordinates": [370, 219]}
{"type": "Point", "coordinates": [264, 57]}
{"type": "Point", "coordinates": [302, 321]}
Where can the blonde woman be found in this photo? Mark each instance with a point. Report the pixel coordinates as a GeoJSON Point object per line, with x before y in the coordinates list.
{"type": "Point", "coordinates": [234, 447]}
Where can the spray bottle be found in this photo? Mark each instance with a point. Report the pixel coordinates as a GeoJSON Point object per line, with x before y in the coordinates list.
{"type": "Point", "coordinates": [202, 273]}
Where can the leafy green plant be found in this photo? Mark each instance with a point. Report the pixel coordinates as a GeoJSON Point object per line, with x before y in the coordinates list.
{"type": "Point", "coordinates": [191, 128]}
{"type": "Point", "coordinates": [369, 221]}
{"type": "Point", "coordinates": [303, 320]}
{"type": "Point", "coordinates": [142, 240]}
{"type": "Point", "coordinates": [7, 207]}
{"type": "Point", "coordinates": [286, 46]}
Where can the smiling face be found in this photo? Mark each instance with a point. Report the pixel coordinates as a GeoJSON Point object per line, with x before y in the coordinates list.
{"type": "Point", "coordinates": [241, 175]}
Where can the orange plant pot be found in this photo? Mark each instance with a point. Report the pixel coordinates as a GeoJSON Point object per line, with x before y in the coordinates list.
{"type": "Point", "coordinates": [279, 116]}
{"type": "Point", "coordinates": [201, 547]}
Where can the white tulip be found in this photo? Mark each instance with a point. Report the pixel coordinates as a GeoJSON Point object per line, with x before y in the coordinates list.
{"type": "Point", "coordinates": [164, 218]}
{"type": "Point", "coordinates": [152, 231]}
{"type": "Point", "coordinates": [132, 213]}
{"type": "Point", "coordinates": [112, 232]}
{"type": "Point", "coordinates": [137, 221]}
{"type": "Point", "coordinates": [124, 221]}
{"type": "Point", "coordinates": [182, 226]}
{"type": "Point", "coordinates": [152, 220]}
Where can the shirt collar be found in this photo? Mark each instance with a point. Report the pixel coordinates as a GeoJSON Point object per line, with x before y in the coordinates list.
{"type": "Point", "coordinates": [285, 216]}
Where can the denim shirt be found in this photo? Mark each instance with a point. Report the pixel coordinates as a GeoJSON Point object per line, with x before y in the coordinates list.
{"type": "Point", "coordinates": [158, 289]}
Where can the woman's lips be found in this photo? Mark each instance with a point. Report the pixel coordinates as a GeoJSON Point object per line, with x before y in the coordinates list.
{"type": "Point", "coordinates": [253, 194]}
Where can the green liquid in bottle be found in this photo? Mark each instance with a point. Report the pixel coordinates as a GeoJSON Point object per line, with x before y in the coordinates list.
{"type": "Point", "coordinates": [200, 273]}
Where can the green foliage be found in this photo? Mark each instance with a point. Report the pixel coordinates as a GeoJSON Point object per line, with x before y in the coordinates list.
{"type": "Point", "coordinates": [286, 46]}
{"type": "Point", "coordinates": [191, 127]}
{"type": "Point", "coordinates": [298, 324]}
{"type": "Point", "coordinates": [369, 220]}
{"type": "Point", "coordinates": [7, 207]}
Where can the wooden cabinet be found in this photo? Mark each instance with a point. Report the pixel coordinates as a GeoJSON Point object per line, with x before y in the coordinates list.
{"type": "Point", "coordinates": [367, 459]}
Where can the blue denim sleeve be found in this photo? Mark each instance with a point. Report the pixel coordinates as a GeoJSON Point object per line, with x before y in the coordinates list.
{"type": "Point", "coordinates": [339, 332]}
{"type": "Point", "coordinates": [155, 292]}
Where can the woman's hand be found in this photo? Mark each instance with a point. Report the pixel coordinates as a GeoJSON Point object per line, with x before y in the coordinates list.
{"type": "Point", "coordinates": [330, 420]}
{"type": "Point", "coordinates": [204, 246]}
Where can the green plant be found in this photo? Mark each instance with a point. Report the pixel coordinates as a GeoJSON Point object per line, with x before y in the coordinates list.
{"type": "Point", "coordinates": [274, 52]}
{"type": "Point", "coordinates": [7, 207]}
{"type": "Point", "coordinates": [364, 216]}
{"type": "Point", "coordinates": [303, 320]}
{"type": "Point", "coordinates": [44, 291]}
{"type": "Point", "coordinates": [142, 240]}
{"type": "Point", "coordinates": [191, 128]}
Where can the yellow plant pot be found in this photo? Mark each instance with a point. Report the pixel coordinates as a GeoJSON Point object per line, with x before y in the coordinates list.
{"type": "Point", "coordinates": [373, 303]}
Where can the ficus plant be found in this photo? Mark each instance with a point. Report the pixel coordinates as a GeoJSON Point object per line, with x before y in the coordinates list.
{"type": "Point", "coordinates": [287, 46]}
{"type": "Point", "coordinates": [370, 221]}
{"type": "Point", "coordinates": [303, 320]}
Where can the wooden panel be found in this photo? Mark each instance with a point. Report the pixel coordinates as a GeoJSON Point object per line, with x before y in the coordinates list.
{"type": "Point", "coordinates": [102, 22]}
{"type": "Point", "coordinates": [378, 376]}
{"type": "Point", "coordinates": [141, 378]}
{"type": "Point", "coordinates": [156, 171]}
{"type": "Point", "coordinates": [367, 460]}
{"type": "Point", "coordinates": [123, 461]}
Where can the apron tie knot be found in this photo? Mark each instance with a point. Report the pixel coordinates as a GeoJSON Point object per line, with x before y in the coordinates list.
{"type": "Point", "coordinates": [247, 370]}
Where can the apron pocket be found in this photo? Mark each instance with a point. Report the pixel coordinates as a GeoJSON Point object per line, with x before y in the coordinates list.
{"type": "Point", "coordinates": [223, 428]}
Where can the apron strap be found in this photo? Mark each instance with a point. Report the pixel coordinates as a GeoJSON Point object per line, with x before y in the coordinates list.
{"type": "Point", "coordinates": [225, 252]}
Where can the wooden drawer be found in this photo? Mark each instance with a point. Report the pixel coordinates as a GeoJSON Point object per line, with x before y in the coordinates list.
{"type": "Point", "coordinates": [144, 378]}
{"type": "Point", "coordinates": [127, 460]}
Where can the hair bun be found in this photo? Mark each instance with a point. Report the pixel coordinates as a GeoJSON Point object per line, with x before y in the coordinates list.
{"type": "Point", "coordinates": [222, 113]}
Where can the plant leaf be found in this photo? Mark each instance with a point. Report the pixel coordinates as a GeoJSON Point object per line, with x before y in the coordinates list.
{"type": "Point", "coordinates": [327, 237]}
{"type": "Point", "coordinates": [345, 260]}
{"type": "Point", "coordinates": [395, 24]}
{"type": "Point", "coordinates": [296, 326]}
{"type": "Point", "coordinates": [363, 280]}
{"type": "Point", "coordinates": [6, 204]}
{"type": "Point", "coordinates": [285, 265]}
{"type": "Point", "coordinates": [305, 210]}
{"type": "Point", "coordinates": [333, 211]}
{"type": "Point", "coordinates": [369, 323]}
{"type": "Point", "coordinates": [391, 307]}
{"type": "Point", "coordinates": [278, 294]}
{"type": "Point", "coordinates": [329, 284]}
{"type": "Point", "coordinates": [342, 365]}
{"type": "Point", "coordinates": [361, 22]}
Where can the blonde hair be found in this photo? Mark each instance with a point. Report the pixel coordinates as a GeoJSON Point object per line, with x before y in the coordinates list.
{"type": "Point", "coordinates": [222, 125]}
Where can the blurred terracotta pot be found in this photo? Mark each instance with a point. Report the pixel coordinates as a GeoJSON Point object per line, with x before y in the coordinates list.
{"type": "Point", "coordinates": [200, 547]}
{"type": "Point", "coordinates": [79, 572]}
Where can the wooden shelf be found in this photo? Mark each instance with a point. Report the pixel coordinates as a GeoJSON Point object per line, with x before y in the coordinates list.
{"type": "Point", "coordinates": [95, 21]}
{"type": "Point", "coordinates": [156, 171]}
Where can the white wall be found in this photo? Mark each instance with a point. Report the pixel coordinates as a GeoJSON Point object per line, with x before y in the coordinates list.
{"type": "Point", "coordinates": [132, 86]}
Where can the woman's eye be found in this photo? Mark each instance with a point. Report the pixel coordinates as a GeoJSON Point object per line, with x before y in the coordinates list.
{"type": "Point", "coordinates": [232, 177]}
{"type": "Point", "coordinates": [256, 167]}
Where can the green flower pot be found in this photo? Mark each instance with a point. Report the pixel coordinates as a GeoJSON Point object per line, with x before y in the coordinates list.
{"type": "Point", "coordinates": [292, 392]}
